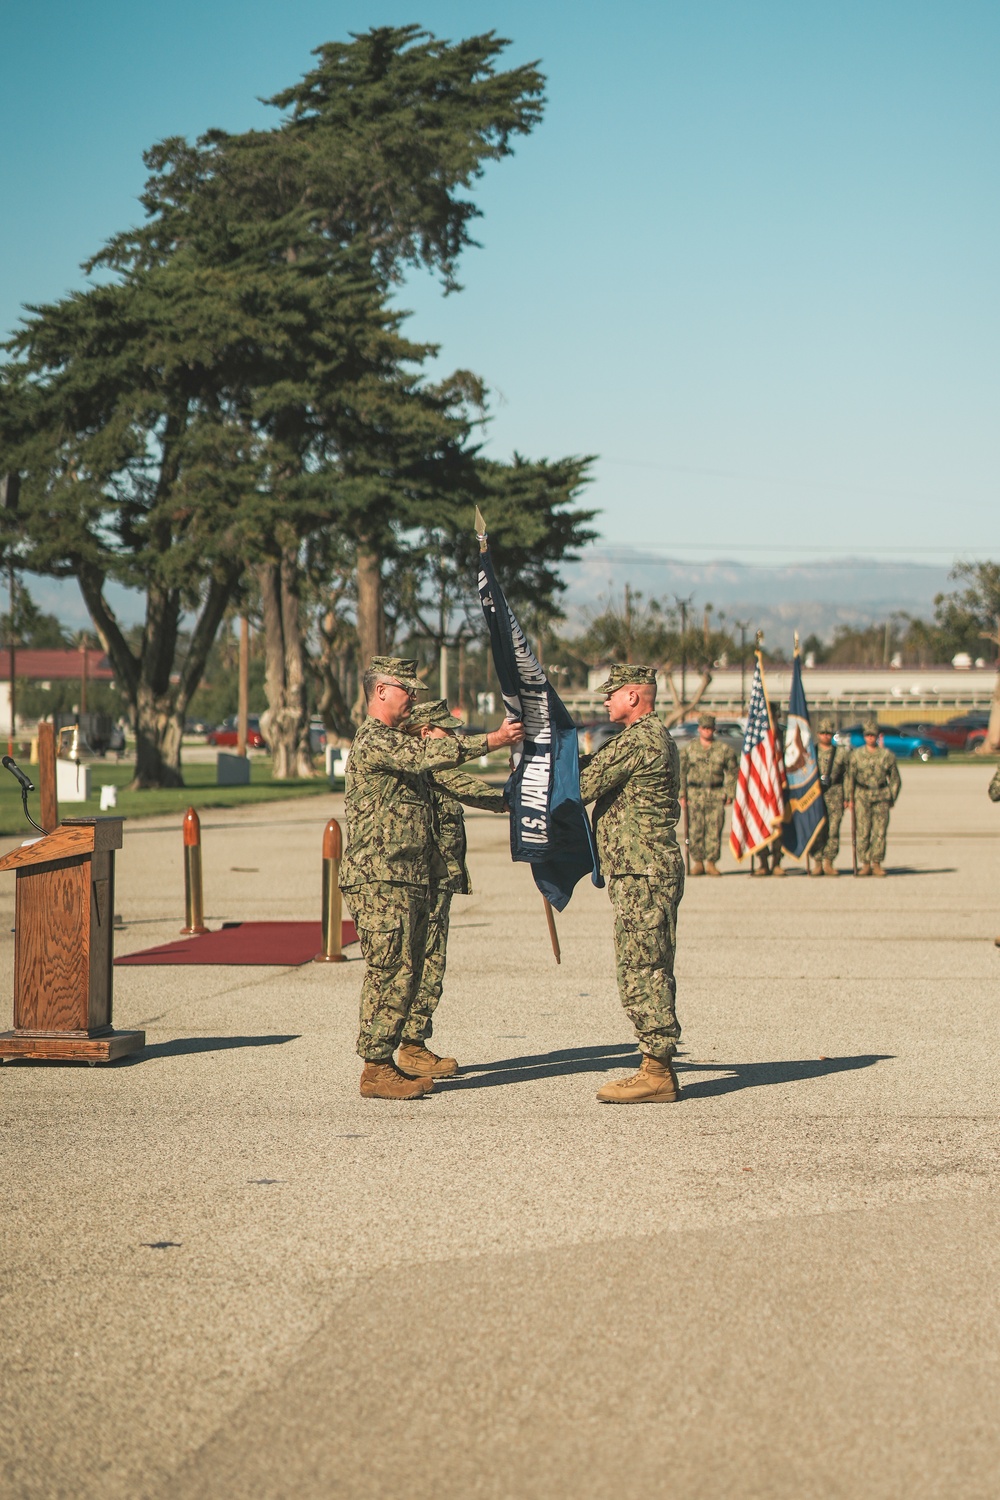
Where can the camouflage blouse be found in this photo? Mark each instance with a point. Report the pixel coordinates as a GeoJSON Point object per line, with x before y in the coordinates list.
{"type": "Point", "coordinates": [874, 774]}
{"type": "Point", "coordinates": [831, 762]}
{"type": "Point", "coordinates": [635, 781]}
{"type": "Point", "coordinates": [449, 789]}
{"type": "Point", "coordinates": [995, 786]}
{"type": "Point", "coordinates": [711, 766]}
{"type": "Point", "coordinates": [390, 824]}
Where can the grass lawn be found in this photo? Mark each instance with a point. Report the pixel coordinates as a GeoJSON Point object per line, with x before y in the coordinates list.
{"type": "Point", "coordinates": [199, 791]}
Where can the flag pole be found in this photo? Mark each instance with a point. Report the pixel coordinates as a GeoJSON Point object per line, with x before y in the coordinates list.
{"type": "Point", "coordinates": [550, 918]}
{"type": "Point", "coordinates": [549, 913]}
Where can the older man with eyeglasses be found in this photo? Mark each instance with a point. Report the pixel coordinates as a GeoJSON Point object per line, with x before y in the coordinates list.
{"type": "Point", "coordinates": [388, 868]}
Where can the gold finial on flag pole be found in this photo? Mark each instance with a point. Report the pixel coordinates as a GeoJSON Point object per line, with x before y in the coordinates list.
{"type": "Point", "coordinates": [480, 529]}
{"type": "Point", "coordinates": [759, 641]}
{"type": "Point", "coordinates": [796, 643]}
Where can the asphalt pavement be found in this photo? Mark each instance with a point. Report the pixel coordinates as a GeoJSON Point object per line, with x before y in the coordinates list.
{"type": "Point", "coordinates": [226, 1274]}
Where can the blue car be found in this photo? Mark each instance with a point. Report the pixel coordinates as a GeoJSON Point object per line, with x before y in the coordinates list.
{"type": "Point", "coordinates": [903, 746]}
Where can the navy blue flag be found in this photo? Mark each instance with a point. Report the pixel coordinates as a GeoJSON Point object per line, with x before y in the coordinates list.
{"type": "Point", "coordinates": [549, 828]}
{"type": "Point", "coordinates": [805, 810]}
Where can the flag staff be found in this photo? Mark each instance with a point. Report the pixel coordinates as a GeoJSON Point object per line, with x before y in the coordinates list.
{"type": "Point", "coordinates": [550, 917]}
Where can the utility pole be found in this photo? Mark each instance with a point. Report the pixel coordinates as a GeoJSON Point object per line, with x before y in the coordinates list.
{"type": "Point", "coordinates": [10, 491]}
{"type": "Point", "coordinates": [743, 626]}
{"type": "Point", "coordinates": [683, 605]}
{"type": "Point", "coordinates": [83, 674]}
{"type": "Point", "coordinates": [13, 673]}
{"type": "Point", "coordinates": [243, 689]}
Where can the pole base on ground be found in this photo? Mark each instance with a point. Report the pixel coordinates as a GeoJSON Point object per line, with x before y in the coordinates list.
{"type": "Point", "coordinates": [194, 931]}
{"type": "Point", "coordinates": [79, 1046]}
{"type": "Point", "coordinates": [329, 958]}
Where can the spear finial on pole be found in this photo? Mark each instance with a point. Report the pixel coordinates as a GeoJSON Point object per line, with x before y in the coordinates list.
{"type": "Point", "coordinates": [480, 529]}
{"type": "Point", "coordinates": [796, 643]}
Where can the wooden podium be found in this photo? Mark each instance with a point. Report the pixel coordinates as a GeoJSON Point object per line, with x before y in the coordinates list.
{"type": "Point", "coordinates": [64, 919]}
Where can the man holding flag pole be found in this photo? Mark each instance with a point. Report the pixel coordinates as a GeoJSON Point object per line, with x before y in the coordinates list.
{"type": "Point", "coordinates": [805, 810]}
{"type": "Point", "coordinates": [759, 804]}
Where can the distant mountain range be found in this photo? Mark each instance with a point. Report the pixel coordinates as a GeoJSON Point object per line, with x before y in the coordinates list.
{"type": "Point", "coordinates": [813, 598]}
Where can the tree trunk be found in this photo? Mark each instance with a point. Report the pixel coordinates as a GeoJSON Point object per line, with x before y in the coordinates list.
{"type": "Point", "coordinates": [285, 723]}
{"type": "Point", "coordinates": [158, 702]}
{"type": "Point", "coordinates": [158, 733]}
{"type": "Point", "coordinates": [992, 741]}
{"type": "Point", "coordinates": [331, 703]}
{"type": "Point", "coordinates": [680, 710]}
{"type": "Point", "coordinates": [371, 606]}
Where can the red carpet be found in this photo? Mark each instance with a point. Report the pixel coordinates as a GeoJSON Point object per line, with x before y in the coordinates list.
{"type": "Point", "coordinates": [282, 943]}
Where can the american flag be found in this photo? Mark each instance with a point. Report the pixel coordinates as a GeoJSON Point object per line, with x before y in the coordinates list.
{"type": "Point", "coordinates": [760, 789]}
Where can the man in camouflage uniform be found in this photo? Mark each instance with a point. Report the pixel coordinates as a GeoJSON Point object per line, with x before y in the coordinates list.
{"type": "Point", "coordinates": [449, 874]}
{"type": "Point", "coordinates": [995, 797]}
{"type": "Point", "coordinates": [387, 870]}
{"type": "Point", "coordinates": [831, 762]}
{"type": "Point", "coordinates": [872, 785]}
{"type": "Point", "coordinates": [634, 780]}
{"type": "Point", "coordinates": [708, 785]}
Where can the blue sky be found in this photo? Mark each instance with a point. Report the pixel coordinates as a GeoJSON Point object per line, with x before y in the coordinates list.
{"type": "Point", "coordinates": [750, 258]}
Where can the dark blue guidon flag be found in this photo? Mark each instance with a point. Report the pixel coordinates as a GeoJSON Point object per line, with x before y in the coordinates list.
{"type": "Point", "coordinates": [805, 810]}
{"type": "Point", "coordinates": [548, 825]}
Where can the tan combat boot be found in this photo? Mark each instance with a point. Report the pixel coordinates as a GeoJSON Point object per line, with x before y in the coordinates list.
{"type": "Point", "coordinates": [829, 869]}
{"type": "Point", "coordinates": [864, 869]}
{"type": "Point", "coordinates": [385, 1081]}
{"type": "Point", "coordinates": [711, 868]}
{"type": "Point", "coordinates": [697, 868]}
{"type": "Point", "coordinates": [816, 867]}
{"type": "Point", "coordinates": [655, 1083]}
{"type": "Point", "coordinates": [418, 1061]}
{"type": "Point", "coordinates": [877, 868]}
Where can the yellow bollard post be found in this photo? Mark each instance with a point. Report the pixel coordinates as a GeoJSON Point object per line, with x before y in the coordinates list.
{"type": "Point", "coordinates": [194, 899]}
{"type": "Point", "coordinates": [333, 846]}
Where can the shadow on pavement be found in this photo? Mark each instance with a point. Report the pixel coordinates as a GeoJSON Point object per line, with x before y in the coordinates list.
{"type": "Point", "coordinates": [542, 1065]}
{"type": "Point", "coordinates": [184, 1046]}
{"type": "Point", "coordinates": [760, 1075]}
{"type": "Point", "coordinates": [603, 1059]}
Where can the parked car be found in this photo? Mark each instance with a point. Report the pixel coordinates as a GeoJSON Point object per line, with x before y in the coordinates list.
{"type": "Point", "coordinates": [725, 729]}
{"type": "Point", "coordinates": [227, 734]}
{"type": "Point", "coordinates": [592, 735]}
{"type": "Point", "coordinates": [963, 732]}
{"type": "Point", "coordinates": [903, 746]}
{"type": "Point", "coordinates": [198, 726]}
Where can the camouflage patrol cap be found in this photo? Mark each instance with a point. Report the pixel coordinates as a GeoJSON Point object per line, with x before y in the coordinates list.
{"type": "Point", "coordinates": [402, 668]}
{"type": "Point", "coordinates": [826, 725]}
{"type": "Point", "coordinates": [627, 674]}
{"type": "Point", "coordinates": [706, 721]}
{"type": "Point", "coordinates": [436, 712]}
{"type": "Point", "coordinates": [870, 726]}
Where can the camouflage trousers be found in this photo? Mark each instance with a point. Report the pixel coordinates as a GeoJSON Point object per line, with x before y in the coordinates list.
{"type": "Point", "coordinates": [419, 1025]}
{"type": "Point", "coordinates": [834, 799]}
{"type": "Point", "coordinates": [872, 823]}
{"type": "Point", "coordinates": [392, 927]}
{"type": "Point", "coordinates": [706, 817]}
{"type": "Point", "coordinates": [645, 940]}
